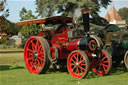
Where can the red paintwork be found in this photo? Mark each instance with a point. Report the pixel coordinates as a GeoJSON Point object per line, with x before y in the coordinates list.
{"type": "Point", "coordinates": [59, 38]}
{"type": "Point", "coordinates": [53, 53]}
{"type": "Point", "coordinates": [41, 34]}
{"type": "Point", "coordinates": [72, 45]}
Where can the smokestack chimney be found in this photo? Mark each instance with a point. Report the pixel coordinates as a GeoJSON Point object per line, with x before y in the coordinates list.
{"type": "Point", "coordinates": [85, 15]}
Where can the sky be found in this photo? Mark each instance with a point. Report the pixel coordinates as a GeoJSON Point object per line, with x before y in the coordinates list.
{"type": "Point", "coordinates": [16, 5]}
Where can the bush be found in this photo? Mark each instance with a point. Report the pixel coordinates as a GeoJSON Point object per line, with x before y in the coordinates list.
{"type": "Point", "coordinates": [23, 42]}
{"type": "Point", "coordinates": [5, 44]}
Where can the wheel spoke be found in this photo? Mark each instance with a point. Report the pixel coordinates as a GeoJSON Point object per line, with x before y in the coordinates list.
{"type": "Point", "coordinates": [73, 68]}
{"type": "Point", "coordinates": [39, 48]}
{"type": "Point", "coordinates": [40, 62]}
{"type": "Point", "coordinates": [29, 59]}
{"type": "Point", "coordinates": [32, 68]}
{"type": "Point", "coordinates": [41, 53]}
{"type": "Point", "coordinates": [99, 68]}
{"type": "Point", "coordinates": [30, 54]}
{"type": "Point", "coordinates": [72, 64]}
{"type": "Point", "coordinates": [73, 61]}
{"type": "Point", "coordinates": [104, 65]}
{"type": "Point", "coordinates": [36, 64]}
{"type": "Point", "coordinates": [103, 58]}
{"type": "Point", "coordinates": [82, 68]}
{"type": "Point", "coordinates": [41, 59]}
{"type": "Point", "coordinates": [37, 44]}
{"type": "Point", "coordinates": [75, 58]}
{"type": "Point", "coordinates": [76, 70]}
{"type": "Point", "coordinates": [33, 45]}
{"type": "Point", "coordinates": [28, 49]}
{"type": "Point", "coordinates": [81, 58]}
{"type": "Point", "coordinates": [104, 68]}
{"type": "Point", "coordinates": [83, 64]}
{"type": "Point", "coordinates": [105, 61]}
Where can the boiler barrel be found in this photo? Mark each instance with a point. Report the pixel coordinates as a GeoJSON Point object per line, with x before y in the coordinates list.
{"type": "Point", "coordinates": [89, 44]}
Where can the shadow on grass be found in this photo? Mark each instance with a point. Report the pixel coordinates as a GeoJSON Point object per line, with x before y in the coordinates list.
{"type": "Point", "coordinates": [11, 51]}
{"type": "Point", "coordinates": [8, 67]}
{"type": "Point", "coordinates": [53, 70]}
{"type": "Point", "coordinates": [118, 70]}
{"type": "Point", "coordinates": [114, 71]}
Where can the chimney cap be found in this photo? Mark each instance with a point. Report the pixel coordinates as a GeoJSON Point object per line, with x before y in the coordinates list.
{"type": "Point", "coordinates": [85, 11]}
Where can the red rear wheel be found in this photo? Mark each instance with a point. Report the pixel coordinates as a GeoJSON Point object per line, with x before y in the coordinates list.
{"type": "Point", "coordinates": [103, 63]}
{"type": "Point", "coordinates": [78, 64]}
{"type": "Point", "coordinates": [35, 55]}
{"type": "Point", "coordinates": [126, 59]}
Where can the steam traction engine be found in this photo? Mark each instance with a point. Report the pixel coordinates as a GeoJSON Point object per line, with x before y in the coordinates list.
{"type": "Point", "coordinates": [65, 46]}
{"type": "Point", "coordinates": [115, 41]}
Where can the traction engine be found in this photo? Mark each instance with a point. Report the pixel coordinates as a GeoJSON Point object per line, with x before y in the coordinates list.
{"type": "Point", "coordinates": [115, 41]}
{"type": "Point", "coordinates": [65, 47]}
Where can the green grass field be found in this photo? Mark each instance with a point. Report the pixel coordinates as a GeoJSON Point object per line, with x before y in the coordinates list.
{"type": "Point", "coordinates": [14, 72]}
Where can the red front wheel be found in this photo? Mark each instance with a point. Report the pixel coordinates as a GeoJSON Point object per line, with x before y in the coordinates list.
{"type": "Point", "coordinates": [35, 55]}
{"type": "Point", "coordinates": [103, 63]}
{"type": "Point", "coordinates": [78, 64]}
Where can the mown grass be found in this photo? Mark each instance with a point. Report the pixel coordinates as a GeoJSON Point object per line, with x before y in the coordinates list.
{"type": "Point", "coordinates": [14, 72]}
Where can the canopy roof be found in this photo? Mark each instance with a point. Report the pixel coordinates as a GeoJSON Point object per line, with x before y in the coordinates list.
{"type": "Point", "coordinates": [50, 20]}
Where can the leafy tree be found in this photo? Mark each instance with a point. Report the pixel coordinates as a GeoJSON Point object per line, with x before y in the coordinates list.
{"type": "Point", "coordinates": [26, 31]}
{"type": "Point", "coordinates": [8, 27]}
{"type": "Point", "coordinates": [47, 8]}
{"type": "Point", "coordinates": [23, 13]}
{"type": "Point", "coordinates": [13, 29]}
{"type": "Point", "coordinates": [67, 7]}
{"type": "Point", "coordinates": [124, 13]}
{"type": "Point", "coordinates": [4, 23]}
{"type": "Point", "coordinates": [3, 10]}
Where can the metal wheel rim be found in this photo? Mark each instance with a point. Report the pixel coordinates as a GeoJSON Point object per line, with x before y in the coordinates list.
{"type": "Point", "coordinates": [34, 55]}
{"type": "Point", "coordinates": [126, 59]}
{"type": "Point", "coordinates": [103, 65]}
{"type": "Point", "coordinates": [77, 65]}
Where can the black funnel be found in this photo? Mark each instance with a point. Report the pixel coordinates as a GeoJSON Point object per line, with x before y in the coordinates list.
{"type": "Point", "coordinates": [85, 14]}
